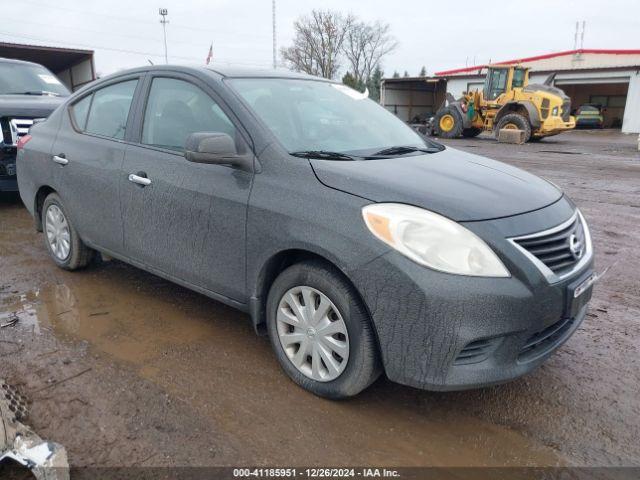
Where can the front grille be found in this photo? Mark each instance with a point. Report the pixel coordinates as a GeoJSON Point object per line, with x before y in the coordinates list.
{"type": "Point", "coordinates": [544, 108]}
{"type": "Point", "coordinates": [566, 110]}
{"type": "Point", "coordinates": [560, 249]}
{"type": "Point", "coordinates": [477, 351]}
{"type": "Point", "coordinates": [545, 340]}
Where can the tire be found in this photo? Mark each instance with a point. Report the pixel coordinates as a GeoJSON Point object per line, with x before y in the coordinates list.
{"type": "Point", "coordinates": [448, 123]}
{"type": "Point", "coordinates": [517, 121]}
{"type": "Point", "coordinates": [79, 255]}
{"type": "Point", "coordinates": [471, 132]}
{"type": "Point", "coordinates": [360, 365]}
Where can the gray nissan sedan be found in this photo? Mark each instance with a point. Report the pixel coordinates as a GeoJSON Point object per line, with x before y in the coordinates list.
{"type": "Point", "coordinates": [357, 245]}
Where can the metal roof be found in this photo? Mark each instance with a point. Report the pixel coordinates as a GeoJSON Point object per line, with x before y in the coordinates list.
{"type": "Point", "coordinates": [477, 68]}
{"type": "Point", "coordinates": [54, 58]}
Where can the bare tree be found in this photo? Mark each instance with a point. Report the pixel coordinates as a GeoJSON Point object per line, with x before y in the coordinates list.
{"type": "Point", "coordinates": [364, 47]}
{"type": "Point", "coordinates": [317, 43]}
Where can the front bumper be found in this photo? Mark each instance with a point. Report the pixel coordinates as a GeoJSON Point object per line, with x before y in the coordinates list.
{"type": "Point", "coordinates": [431, 324]}
{"type": "Point", "coordinates": [589, 122]}
{"type": "Point", "coordinates": [555, 125]}
{"type": "Point", "coordinates": [8, 179]}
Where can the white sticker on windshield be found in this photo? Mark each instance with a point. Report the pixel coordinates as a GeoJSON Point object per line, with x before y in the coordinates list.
{"type": "Point", "coordinates": [50, 79]}
{"type": "Point", "coordinates": [350, 92]}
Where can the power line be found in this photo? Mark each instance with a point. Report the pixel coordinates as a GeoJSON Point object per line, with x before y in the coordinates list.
{"type": "Point", "coordinates": [94, 31]}
{"type": "Point", "coordinates": [128, 19]}
{"type": "Point", "coordinates": [122, 50]}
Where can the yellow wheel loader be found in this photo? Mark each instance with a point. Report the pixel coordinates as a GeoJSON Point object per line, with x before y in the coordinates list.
{"type": "Point", "coordinates": [507, 101]}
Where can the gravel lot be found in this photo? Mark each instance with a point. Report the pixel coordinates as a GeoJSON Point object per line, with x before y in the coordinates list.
{"type": "Point", "coordinates": [124, 368]}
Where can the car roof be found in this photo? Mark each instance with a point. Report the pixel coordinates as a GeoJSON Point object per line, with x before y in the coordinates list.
{"type": "Point", "coordinates": [241, 72]}
{"type": "Point", "coordinates": [225, 72]}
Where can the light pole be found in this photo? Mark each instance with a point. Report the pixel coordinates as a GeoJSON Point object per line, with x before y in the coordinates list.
{"type": "Point", "coordinates": [163, 13]}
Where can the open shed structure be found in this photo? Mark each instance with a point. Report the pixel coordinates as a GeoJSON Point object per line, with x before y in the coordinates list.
{"type": "Point", "coordinates": [73, 67]}
{"type": "Point", "coordinates": [413, 99]}
{"type": "Point", "coordinates": [609, 78]}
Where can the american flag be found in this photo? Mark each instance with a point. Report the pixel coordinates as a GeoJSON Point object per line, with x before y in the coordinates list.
{"type": "Point", "coordinates": [209, 55]}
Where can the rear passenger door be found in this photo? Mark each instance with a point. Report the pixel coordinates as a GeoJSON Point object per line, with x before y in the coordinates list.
{"type": "Point", "coordinates": [89, 151]}
{"type": "Point", "coordinates": [188, 221]}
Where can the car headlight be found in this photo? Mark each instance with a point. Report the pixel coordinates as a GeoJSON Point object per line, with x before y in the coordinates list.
{"type": "Point", "coordinates": [554, 112]}
{"type": "Point", "coordinates": [432, 240]}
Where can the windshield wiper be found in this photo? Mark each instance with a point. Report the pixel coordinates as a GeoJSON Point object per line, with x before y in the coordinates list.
{"type": "Point", "coordinates": [402, 150]}
{"type": "Point", "coordinates": [35, 92]}
{"type": "Point", "coordinates": [323, 154]}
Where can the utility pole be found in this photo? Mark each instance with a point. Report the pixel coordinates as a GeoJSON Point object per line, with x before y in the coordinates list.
{"type": "Point", "coordinates": [273, 14]}
{"type": "Point", "coordinates": [163, 13]}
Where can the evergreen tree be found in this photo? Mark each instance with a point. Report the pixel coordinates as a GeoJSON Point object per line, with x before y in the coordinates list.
{"type": "Point", "coordinates": [396, 74]}
{"type": "Point", "coordinates": [351, 81]}
{"type": "Point", "coordinates": [373, 84]}
{"type": "Point", "coordinates": [406, 74]}
{"type": "Point", "coordinates": [423, 71]}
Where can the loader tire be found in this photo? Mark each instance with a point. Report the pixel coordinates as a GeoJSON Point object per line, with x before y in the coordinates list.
{"type": "Point", "coordinates": [471, 132]}
{"type": "Point", "coordinates": [517, 122]}
{"type": "Point", "coordinates": [448, 123]}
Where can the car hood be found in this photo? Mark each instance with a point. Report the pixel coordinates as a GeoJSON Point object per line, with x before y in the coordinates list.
{"type": "Point", "coordinates": [458, 185]}
{"type": "Point", "coordinates": [28, 105]}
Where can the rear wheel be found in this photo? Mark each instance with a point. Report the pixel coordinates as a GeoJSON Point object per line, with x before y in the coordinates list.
{"type": "Point", "coordinates": [63, 243]}
{"type": "Point", "coordinates": [320, 331]}
{"type": "Point", "coordinates": [448, 123]}
{"type": "Point", "coordinates": [515, 121]}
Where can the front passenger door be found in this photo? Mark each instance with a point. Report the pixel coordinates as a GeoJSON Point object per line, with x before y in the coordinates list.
{"type": "Point", "coordinates": [185, 219]}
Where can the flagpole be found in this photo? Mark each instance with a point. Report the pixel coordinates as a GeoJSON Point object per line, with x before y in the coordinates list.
{"type": "Point", "coordinates": [273, 14]}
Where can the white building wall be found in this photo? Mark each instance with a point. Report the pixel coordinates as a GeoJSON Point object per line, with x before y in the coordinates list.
{"type": "Point", "coordinates": [455, 86]}
{"type": "Point", "coordinates": [631, 122]}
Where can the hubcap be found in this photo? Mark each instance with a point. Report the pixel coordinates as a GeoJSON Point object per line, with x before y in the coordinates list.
{"type": "Point", "coordinates": [447, 122]}
{"type": "Point", "coordinates": [313, 333]}
{"type": "Point", "coordinates": [511, 126]}
{"type": "Point", "coordinates": [57, 230]}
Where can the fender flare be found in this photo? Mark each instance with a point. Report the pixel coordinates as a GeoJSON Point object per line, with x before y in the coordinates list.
{"type": "Point", "coordinates": [532, 111]}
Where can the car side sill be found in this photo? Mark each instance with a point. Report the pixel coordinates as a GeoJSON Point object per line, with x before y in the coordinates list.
{"type": "Point", "coordinates": [209, 293]}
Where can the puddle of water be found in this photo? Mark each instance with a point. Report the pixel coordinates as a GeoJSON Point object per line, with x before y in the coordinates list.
{"type": "Point", "coordinates": [126, 321]}
{"type": "Point", "coordinates": [207, 355]}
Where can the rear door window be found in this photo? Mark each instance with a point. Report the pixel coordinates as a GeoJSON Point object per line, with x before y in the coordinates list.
{"type": "Point", "coordinates": [175, 109]}
{"type": "Point", "coordinates": [110, 109]}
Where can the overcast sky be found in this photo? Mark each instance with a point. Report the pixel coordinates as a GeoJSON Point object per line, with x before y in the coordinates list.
{"type": "Point", "coordinates": [437, 34]}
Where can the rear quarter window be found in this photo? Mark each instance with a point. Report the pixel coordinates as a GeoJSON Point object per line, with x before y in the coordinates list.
{"type": "Point", "coordinates": [80, 111]}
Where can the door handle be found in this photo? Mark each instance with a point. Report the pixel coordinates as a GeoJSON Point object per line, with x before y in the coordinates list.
{"type": "Point", "coordinates": [60, 159]}
{"type": "Point", "coordinates": [144, 181]}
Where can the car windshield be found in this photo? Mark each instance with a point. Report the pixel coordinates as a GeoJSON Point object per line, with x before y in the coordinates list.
{"type": "Point", "coordinates": [26, 79]}
{"type": "Point", "coordinates": [588, 108]}
{"type": "Point", "coordinates": [322, 119]}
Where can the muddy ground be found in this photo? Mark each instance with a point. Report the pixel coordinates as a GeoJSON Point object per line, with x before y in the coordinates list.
{"type": "Point", "coordinates": [124, 368]}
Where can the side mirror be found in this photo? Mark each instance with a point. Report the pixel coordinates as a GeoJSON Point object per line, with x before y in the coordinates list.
{"type": "Point", "coordinates": [215, 148]}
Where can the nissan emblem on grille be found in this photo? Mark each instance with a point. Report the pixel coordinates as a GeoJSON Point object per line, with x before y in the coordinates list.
{"type": "Point", "coordinates": [558, 250]}
{"type": "Point", "coordinates": [576, 247]}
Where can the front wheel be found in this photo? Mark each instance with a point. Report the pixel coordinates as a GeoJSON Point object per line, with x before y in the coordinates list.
{"type": "Point", "coordinates": [63, 243]}
{"type": "Point", "coordinates": [515, 121]}
{"type": "Point", "coordinates": [320, 331]}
